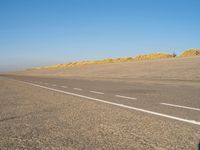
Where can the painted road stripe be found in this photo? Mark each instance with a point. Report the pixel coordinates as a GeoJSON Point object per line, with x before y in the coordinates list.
{"type": "Point", "coordinates": [116, 104]}
{"type": "Point", "coordinates": [77, 89]}
{"type": "Point", "coordinates": [63, 86]}
{"type": "Point", "coordinates": [133, 98]}
{"type": "Point", "coordinates": [179, 106]}
{"type": "Point", "coordinates": [96, 92]}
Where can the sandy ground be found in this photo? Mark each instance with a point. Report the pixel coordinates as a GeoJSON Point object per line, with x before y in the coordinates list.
{"type": "Point", "coordinates": [174, 69]}
{"type": "Point", "coordinates": [35, 118]}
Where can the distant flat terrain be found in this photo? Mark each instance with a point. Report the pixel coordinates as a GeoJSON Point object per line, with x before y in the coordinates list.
{"type": "Point", "coordinates": [175, 69]}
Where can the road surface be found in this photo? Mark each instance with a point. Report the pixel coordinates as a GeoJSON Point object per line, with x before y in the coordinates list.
{"type": "Point", "coordinates": [173, 109]}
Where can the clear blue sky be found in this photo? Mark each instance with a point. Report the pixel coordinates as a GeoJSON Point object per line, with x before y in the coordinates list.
{"type": "Point", "coordinates": [43, 32]}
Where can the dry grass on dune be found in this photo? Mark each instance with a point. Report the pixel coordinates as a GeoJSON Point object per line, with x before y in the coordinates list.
{"type": "Point", "coordinates": [190, 52]}
{"type": "Point", "coordinates": [152, 56]}
{"type": "Point", "coordinates": [81, 63]}
{"type": "Point", "coordinates": [109, 60]}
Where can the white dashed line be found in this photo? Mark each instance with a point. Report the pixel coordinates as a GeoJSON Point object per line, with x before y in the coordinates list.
{"type": "Point", "coordinates": [96, 92]}
{"type": "Point", "coordinates": [63, 86]}
{"type": "Point", "coordinates": [77, 89]}
{"type": "Point", "coordinates": [116, 104]}
{"type": "Point", "coordinates": [133, 98]}
{"type": "Point", "coordinates": [179, 106]}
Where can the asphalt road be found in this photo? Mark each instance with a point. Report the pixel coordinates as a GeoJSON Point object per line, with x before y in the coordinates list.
{"type": "Point", "coordinates": [174, 103]}
{"type": "Point", "coordinates": [179, 101]}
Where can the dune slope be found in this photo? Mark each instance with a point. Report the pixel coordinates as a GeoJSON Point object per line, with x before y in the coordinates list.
{"type": "Point", "coordinates": [182, 68]}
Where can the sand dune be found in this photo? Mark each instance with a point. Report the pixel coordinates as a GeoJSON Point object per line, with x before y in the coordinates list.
{"type": "Point", "coordinates": [181, 68]}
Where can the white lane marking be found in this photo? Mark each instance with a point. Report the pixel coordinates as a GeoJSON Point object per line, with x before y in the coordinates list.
{"type": "Point", "coordinates": [63, 86]}
{"type": "Point", "coordinates": [77, 89]}
{"type": "Point", "coordinates": [179, 106]}
{"type": "Point", "coordinates": [133, 98]}
{"type": "Point", "coordinates": [54, 85]}
{"type": "Point", "coordinates": [116, 104]}
{"type": "Point", "coordinates": [96, 92]}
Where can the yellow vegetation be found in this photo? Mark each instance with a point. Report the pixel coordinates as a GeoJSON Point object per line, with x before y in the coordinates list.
{"type": "Point", "coordinates": [109, 60]}
{"type": "Point", "coordinates": [153, 56]}
{"type": "Point", "coordinates": [81, 63]}
{"type": "Point", "coordinates": [190, 52]}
